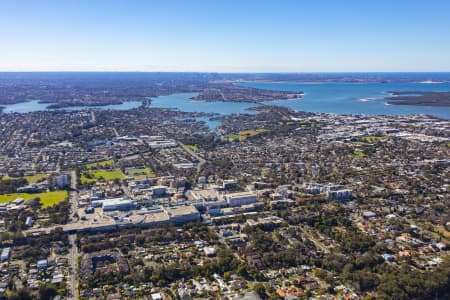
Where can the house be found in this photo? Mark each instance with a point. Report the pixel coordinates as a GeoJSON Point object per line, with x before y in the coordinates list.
{"type": "Point", "coordinates": [369, 214]}
{"type": "Point", "coordinates": [42, 264]}
{"type": "Point", "coordinates": [29, 221]}
{"type": "Point", "coordinates": [5, 254]}
{"type": "Point", "coordinates": [156, 296]}
{"type": "Point", "coordinates": [209, 251]}
{"type": "Point", "coordinates": [229, 184]}
{"type": "Point", "coordinates": [248, 296]}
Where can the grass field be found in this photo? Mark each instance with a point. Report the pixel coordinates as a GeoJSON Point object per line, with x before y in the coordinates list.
{"type": "Point", "coordinates": [360, 143]}
{"type": "Point", "coordinates": [47, 199]}
{"type": "Point", "coordinates": [105, 174]}
{"type": "Point", "coordinates": [30, 179]}
{"type": "Point", "coordinates": [372, 138]}
{"type": "Point", "coordinates": [140, 171]}
{"type": "Point", "coordinates": [443, 231]}
{"type": "Point", "coordinates": [192, 147]}
{"type": "Point", "coordinates": [243, 135]}
{"type": "Point", "coordinates": [309, 124]}
{"type": "Point", "coordinates": [36, 178]}
{"type": "Point", "coordinates": [100, 164]}
{"type": "Point", "coordinates": [301, 124]}
{"type": "Point", "coordinates": [358, 154]}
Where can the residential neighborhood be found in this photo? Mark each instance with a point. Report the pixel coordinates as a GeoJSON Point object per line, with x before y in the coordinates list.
{"type": "Point", "coordinates": [314, 206]}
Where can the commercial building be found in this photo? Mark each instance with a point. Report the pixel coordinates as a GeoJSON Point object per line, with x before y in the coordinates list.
{"type": "Point", "coordinates": [159, 190]}
{"type": "Point", "coordinates": [118, 204]}
{"type": "Point", "coordinates": [242, 198]}
{"type": "Point", "coordinates": [335, 187]}
{"type": "Point", "coordinates": [343, 194]}
{"type": "Point", "coordinates": [184, 166]}
{"type": "Point", "coordinates": [206, 199]}
{"type": "Point", "coordinates": [161, 143]}
{"type": "Point", "coordinates": [182, 214]}
{"type": "Point", "coordinates": [314, 188]}
{"type": "Point", "coordinates": [114, 204]}
{"type": "Point", "coordinates": [61, 181]}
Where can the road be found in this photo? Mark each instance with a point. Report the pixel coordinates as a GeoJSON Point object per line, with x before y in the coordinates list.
{"type": "Point", "coordinates": [93, 118]}
{"type": "Point", "coordinates": [72, 238]}
{"type": "Point", "coordinates": [115, 131]}
{"type": "Point", "coordinates": [201, 161]}
{"type": "Point", "coordinates": [317, 243]}
{"type": "Point", "coordinates": [58, 165]}
{"type": "Point", "coordinates": [73, 194]}
{"type": "Point", "coordinates": [73, 268]}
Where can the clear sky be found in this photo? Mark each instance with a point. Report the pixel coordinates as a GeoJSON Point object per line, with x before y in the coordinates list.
{"type": "Point", "coordinates": [225, 35]}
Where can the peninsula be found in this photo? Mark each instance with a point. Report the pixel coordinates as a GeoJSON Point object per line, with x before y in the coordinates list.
{"type": "Point", "coordinates": [419, 98]}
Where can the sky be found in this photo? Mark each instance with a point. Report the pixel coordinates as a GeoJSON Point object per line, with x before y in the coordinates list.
{"type": "Point", "coordinates": [225, 35]}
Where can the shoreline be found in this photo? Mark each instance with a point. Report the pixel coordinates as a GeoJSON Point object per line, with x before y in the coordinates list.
{"type": "Point", "coordinates": [419, 98]}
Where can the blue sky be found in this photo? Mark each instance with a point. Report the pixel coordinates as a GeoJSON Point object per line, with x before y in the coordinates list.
{"type": "Point", "coordinates": [225, 35]}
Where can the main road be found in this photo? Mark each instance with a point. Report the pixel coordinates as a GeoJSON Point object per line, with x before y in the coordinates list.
{"type": "Point", "coordinates": [201, 161]}
{"type": "Point", "coordinates": [73, 195]}
{"type": "Point", "coordinates": [73, 255]}
{"type": "Point", "coordinates": [72, 237]}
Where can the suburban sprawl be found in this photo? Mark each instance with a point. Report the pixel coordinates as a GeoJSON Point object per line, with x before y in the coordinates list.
{"type": "Point", "coordinates": [151, 203]}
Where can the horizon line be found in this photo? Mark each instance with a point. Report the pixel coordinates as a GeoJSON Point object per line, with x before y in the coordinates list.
{"type": "Point", "coordinates": [214, 72]}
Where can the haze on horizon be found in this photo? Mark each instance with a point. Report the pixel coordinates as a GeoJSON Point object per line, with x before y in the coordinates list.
{"type": "Point", "coordinates": [225, 36]}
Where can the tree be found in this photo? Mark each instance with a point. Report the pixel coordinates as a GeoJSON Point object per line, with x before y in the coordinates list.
{"type": "Point", "coordinates": [260, 289]}
{"type": "Point", "coordinates": [47, 291]}
{"type": "Point", "coordinates": [21, 294]}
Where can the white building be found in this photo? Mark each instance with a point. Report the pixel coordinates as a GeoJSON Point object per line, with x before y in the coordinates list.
{"type": "Point", "coordinates": [29, 221]}
{"type": "Point", "coordinates": [182, 214]}
{"type": "Point", "coordinates": [162, 143]}
{"type": "Point", "coordinates": [42, 264]}
{"type": "Point", "coordinates": [344, 194]}
{"type": "Point", "coordinates": [209, 251]}
{"type": "Point", "coordinates": [314, 188]}
{"type": "Point", "coordinates": [5, 254]}
{"type": "Point", "coordinates": [156, 296]}
{"type": "Point", "coordinates": [114, 204]}
{"type": "Point", "coordinates": [118, 204]}
{"type": "Point", "coordinates": [242, 198]}
{"type": "Point", "coordinates": [205, 199]}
